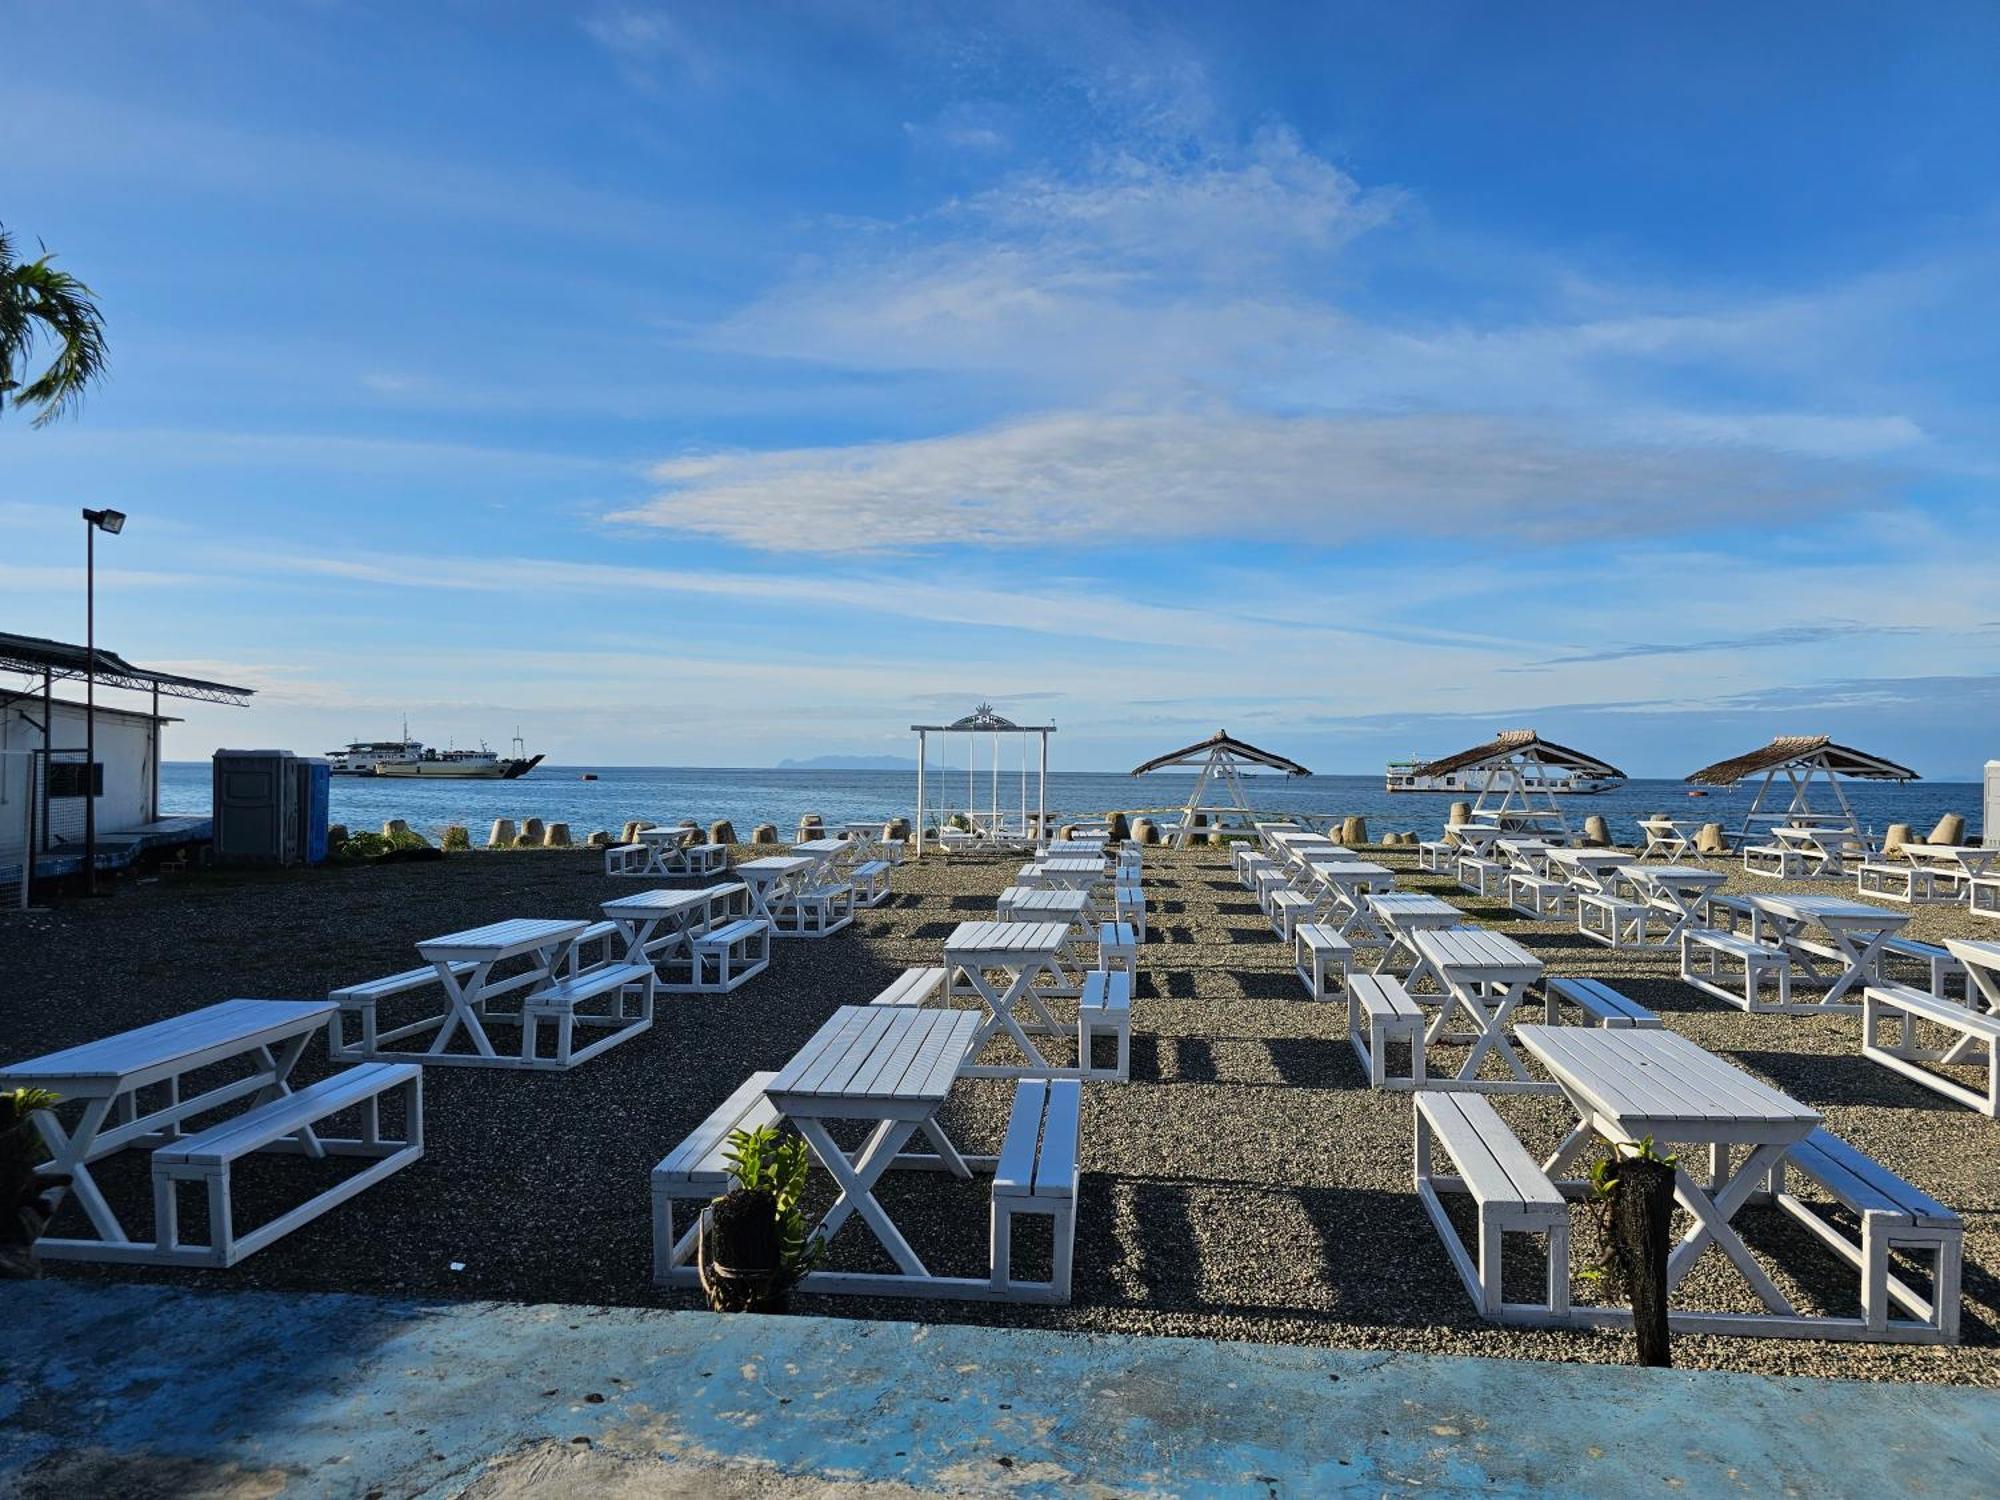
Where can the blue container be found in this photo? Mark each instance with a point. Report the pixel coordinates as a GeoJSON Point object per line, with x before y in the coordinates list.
{"type": "Point", "coordinates": [315, 795]}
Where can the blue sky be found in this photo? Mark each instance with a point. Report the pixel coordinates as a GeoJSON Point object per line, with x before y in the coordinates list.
{"type": "Point", "coordinates": [714, 384]}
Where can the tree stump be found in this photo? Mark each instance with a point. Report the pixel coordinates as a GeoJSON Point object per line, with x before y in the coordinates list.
{"type": "Point", "coordinates": [1642, 1208]}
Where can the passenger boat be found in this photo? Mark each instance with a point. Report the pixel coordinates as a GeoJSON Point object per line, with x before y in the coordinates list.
{"type": "Point", "coordinates": [1402, 777]}
{"type": "Point", "coordinates": [411, 758]}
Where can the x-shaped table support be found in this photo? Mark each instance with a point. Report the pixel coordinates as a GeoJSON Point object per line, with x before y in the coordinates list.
{"type": "Point", "coordinates": [1489, 1026]}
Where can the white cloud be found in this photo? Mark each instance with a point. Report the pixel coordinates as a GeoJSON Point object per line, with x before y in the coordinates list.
{"type": "Point", "coordinates": [1099, 477]}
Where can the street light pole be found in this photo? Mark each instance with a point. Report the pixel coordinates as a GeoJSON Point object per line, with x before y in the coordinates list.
{"type": "Point", "coordinates": [95, 521]}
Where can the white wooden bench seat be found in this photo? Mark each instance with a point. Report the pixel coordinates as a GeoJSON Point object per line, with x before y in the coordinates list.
{"type": "Point", "coordinates": [1437, 856]}
{"type": "Point", "coordinates": [1899, 1007]}
{"type": "Point", "coordinates": [605, 938]}
{"type": "Point", "coordinates": [1320, 953]}
{"type": "Point", "coordinates": [616, 998]}
{"type": "Point", "coordinates": [626, 859]}
{"type": "Point", "coordinates": [1894, 1216]}
{"type": "Point", "coordinates": [360, 1002]}
{"type": "Point", "coordinates": [1537, 896]}
{"type": "Point", "coordinates": [1037, 1173]}
{"type": "Point", "coordinates": [1513, 1194]}
{"type": "Point", "coordinates": [817, 911]}
{"type": "Point", "coordinates": [1911, 884]}
{"type": "Point", "coordinates": [1936, 964]}
{"type": "Point", "coordinates": [1982, 895]}
{"type": "Point", "coordinates": [1269, 881]}
{"type": "Point", "coordinates": [695, 1170]}
{"type": "Point", "coordinates": [1480, 875]}
{"type": "Point", "coordinates": [1775, 860]}
{"type": "Point", "coordinates": [1288, 909]}
{"type": "Point", "coordinates": [1597, 1000]}
{"type": "Point", "coordinates": [1118, 948]}
{"type": "Point", "coordinates": [870, 880]}
{"type": "Point", "coordinates": [1613, 921]}
{"type": "Point", "coordinates": [732, 954]}
{"type": "Point", "coordinates": [285, 1123]}
{"type": "Point", "coordinates": [1707, 960]}
{"type": "Point", "coordinates": [1129, 905]}
{"type": "Point", "coordinates": [1105, 1008]}
{"type": "Point", "coordinates": [1380, 1011]}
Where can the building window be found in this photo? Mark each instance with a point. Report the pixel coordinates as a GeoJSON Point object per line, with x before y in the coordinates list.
{"type": "Point", "coordinates": [67, 779]}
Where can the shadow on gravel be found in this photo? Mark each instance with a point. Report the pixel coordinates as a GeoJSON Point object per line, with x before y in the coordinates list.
{"type": "Point", "coordinates": [1841, 1080]}
{"type": "Point", "coordinates": [1312, 1061]}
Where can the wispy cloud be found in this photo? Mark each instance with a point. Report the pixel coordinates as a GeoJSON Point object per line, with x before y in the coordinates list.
{"type": "Point", "coordinates": [1786, 635]}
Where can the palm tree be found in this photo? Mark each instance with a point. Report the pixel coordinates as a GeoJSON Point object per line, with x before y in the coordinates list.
{"type": "Point", "coordinates": [41, 305]}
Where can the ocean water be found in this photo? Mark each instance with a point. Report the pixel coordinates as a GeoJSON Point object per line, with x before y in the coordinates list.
{"type": "Point", "coordinates": [666, 794]}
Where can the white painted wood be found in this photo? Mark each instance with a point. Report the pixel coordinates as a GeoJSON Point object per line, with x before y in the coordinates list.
{"type": "Point", "coordinates": [1105, 1008]}
{"type": "Point", "coordinates": [1897, 1009]}
{"type": "Point", "coordinates": [1708, 959]}
{"type": "Point", "coordinates": [1321, 956]}
{"type": "Point", "coordinates": [695, 1171]}
{"type": "Point", "coordinates": [206, 1160]}
{"type": "Point", "coordinates": [912, 987]}
{"type": "Point", "coordinates": [1379, 1012]}
{"type": "Point", "coordinates": [1513, 1196]}
{"type": "Point", "coordinates": [1603, 1005]}
{"type": "Point", "coordinates": [624, 991]}
{"type": "Point", "coordinates": [731, 955]}
{"type": "Point", "coordinates": [1037, 1173]}
{"type": "Point", "coordinates": [1485, 976]}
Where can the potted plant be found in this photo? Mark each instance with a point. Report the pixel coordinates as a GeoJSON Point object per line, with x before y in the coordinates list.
{"type": "Point", "coordinates": [27, 1198]}
{"type": "Point", "coordinates": [1634, 1190]}
{"type": "Point", "coordinates": [754, 1247]}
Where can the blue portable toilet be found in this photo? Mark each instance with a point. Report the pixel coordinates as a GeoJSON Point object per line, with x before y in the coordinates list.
{"type": "Point", "coordinates": [315, 797]}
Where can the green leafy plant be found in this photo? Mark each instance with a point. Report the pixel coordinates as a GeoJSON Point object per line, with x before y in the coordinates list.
{"type": "Point", "coordinates": [763, 1160]}
{"type": "Point", "coordinates": [42, 308]}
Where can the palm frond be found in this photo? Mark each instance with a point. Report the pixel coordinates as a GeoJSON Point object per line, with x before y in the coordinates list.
{"type": "Point", "coordinates": [41, 304]}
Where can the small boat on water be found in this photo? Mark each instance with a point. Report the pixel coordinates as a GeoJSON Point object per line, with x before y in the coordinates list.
{"type": "Point", "coordinates": [1562, 782]}
{"type": "Point", "coordinates": [412, 759]}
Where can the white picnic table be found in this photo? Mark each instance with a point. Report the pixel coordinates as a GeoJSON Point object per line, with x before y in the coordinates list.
{"type": "Point", "coordinates": [1399, 916]}
{"type": "Point", "coordinates": [1631, 1085]}
{"type": "Point", "coordinates": [1981, 958]}
{"type": "Point", "coordinates": [1956, 866]}
{"type": "Point", "coordinates": [1677, 892]}
{"type": "Point", "coordinates": [106, 1076]}
{"type": "Point", "coordinates": [774, 881]}
{"type": "Point", "coordinates": [659, 927]}
{"type": "Point", "coordinates": [1669, 838]}
{"type": "Point", "coordinates": [529, 950]}
{"type": "Point", "coordinates": [1525, 854]}
{"type": "Point", "coordinates": [1035, 903]}
{"type": "Point", "coordinates": [889, 1067]}
{"type": "Point", "coordinates": [1592, 871]}
{"type": "Point", "coordinates": [666, 847]}
{"type": "Point", "coordinates": [1073, 871]}
{"type": "Point", "coordinates": [1806, 851]}
{"type": "Point", "coordinates": [823, 852]}
{"type": "Point", "coordinates": [1855, 930]}
{"type": "Point", "coordinates": [1344, 884]}
{"type": "Point", "coordinates": [1030, 956]}
{"type": "Point", "coordinates": [1476, 839]}
{"type": "Point", "coordinates": [1486, 975]}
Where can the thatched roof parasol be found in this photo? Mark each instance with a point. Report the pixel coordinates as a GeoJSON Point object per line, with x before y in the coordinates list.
{"type": "Point", "coordinates": [1803, 749]}
{"type": "Point", "coordinates": [1512, 742]}
{"type": "Point", "coordinates": [1226, 743]}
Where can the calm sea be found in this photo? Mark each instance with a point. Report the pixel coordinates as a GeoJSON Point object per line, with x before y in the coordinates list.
{"type": "Point", "coordinates": [666, 794]}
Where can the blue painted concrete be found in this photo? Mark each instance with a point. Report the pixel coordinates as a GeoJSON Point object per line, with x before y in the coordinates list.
{"type": "Point", "coordinates": [346, 1395]}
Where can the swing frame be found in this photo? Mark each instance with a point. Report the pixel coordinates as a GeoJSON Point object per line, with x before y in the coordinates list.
{"type": "Point", "coordinates": [988, 823]}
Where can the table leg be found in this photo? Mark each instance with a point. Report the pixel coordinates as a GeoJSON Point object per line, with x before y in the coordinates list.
{"type": "Point", "coordinates": [69, 1156]}
{"type": "Point", "coordinates": [1000, 1012]}
{"type": "Point", "coordinates": [1712, 1213]}
{"type": "Point", "coordinates": [281, 1071]}
{"type": "Point", "coordinates": [857, 1179]}
{"type": "Point", "coordinates": [464, 999]}
{"type": "Point", "coordinates": [1861, 962]}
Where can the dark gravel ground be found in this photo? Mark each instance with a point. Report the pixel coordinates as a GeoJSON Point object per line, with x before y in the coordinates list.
{"type": "Point", "coordinates": [1244, 1185]}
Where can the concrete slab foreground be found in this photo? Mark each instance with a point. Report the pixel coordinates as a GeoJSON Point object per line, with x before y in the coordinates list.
{"type": "Point", "coordinates": [140, 1390]}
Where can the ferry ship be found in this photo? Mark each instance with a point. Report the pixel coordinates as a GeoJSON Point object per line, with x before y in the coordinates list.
{"type": "Point", "coordinates": [1403, 777]}
{"type": "Point", "coordinates": [410, 758]}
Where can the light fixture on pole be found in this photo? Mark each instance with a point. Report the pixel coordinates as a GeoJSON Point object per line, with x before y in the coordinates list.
{"type": "Point", "coordinates": [112, 521]}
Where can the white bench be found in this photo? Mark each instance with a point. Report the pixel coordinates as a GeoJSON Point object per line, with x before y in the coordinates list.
{"type": "Point", "coordinates": [1129, 905]}
{"type": "Point", "coordinates": [285, 1123]}
{"type": "Point", "coordinates": [1036, 1173]}
{"type": "Point", "coordinates": [870, 879]}
{"type": "Point", "coordinates": [730, 955]}
{"type": "Point", "coordinates": [1779, 861]}
{"type": "Point", "coordinates": [1939, 967]}
{"type": "Point", "coordinates": [626, 859]}
{"type": "Point", "coordinates": [695, 1169]}
{"type": "Point", "coordinates": [1894, 1216]}
{"type": "Point", "coordinates": [1288, 909]}
{"type": "Point", "coordinates": [1254, 864]}
{"type": "Point", "coordinates": [818, 910]}
{"type": "Point", "coordinates": [1904, 1006]}
{"type": "Point", "coordinates": [1118, 948]}
{"type": "Point", "coordinates": [1238, 853]}
{"type": "Point", "coordinates": [1982, 895]}
{"type": "Point", "coordinates": [1481, 875]}
{"type": "Point", "coordinates": [1910, 884]}
{"type": "Point", "coordinates": [1319, 951]}
{"type": "Point", "coordinates": [1105, 1007]}
{"type": "Point", "coordinates": [1270, 880]}
{"type": "Point", "coordinates": [359, 1001]}
{"type": "Point", "coordinates": [1437, 856]}
{"type": "Point", "coordinates": [1602, 1004]}
{"type": "Point", "coordinates": [1513, 1194]}
{"type": "Point", "coordinates": [1380, 1011]}
{"type": "Point", "coordinates": [912, 987]}
{"type": "Point", "coordinates": [704, 859]}
{"type": "Point", "coordinates": [1704, 955]}
{"type": "Point", "coordinates": [568, 1003]}
{"type": "Point", "coordinates": [603, 936]}
{"type": "Point", "coordinates": [1537, 896]}
{"type": "Point", "coordinates": [1724, 912]}
{"type": "Point", "coordinates": [1612, 921]}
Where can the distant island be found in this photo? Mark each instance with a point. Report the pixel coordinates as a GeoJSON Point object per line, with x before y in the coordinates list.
{"type": "Point", "coordinates": [851, 763]}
